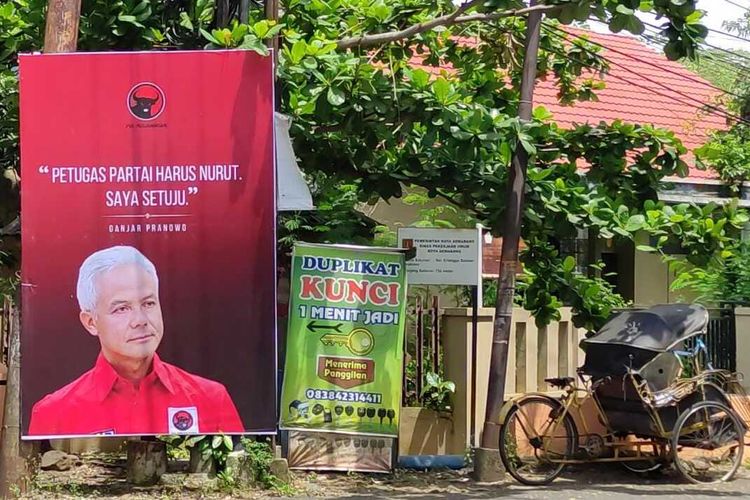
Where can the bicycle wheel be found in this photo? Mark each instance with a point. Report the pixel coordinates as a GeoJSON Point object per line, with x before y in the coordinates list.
{"type": "Point", "coordinates": [532, 439]}
{"type": "Point", "coordinates": [707, 443]}
{"type": "Point", "coordinates": [649, 463]}
{"type": "Point", "coordinates": [642, 466]}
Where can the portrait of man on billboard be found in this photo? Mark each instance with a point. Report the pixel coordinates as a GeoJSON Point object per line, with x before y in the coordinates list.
{"type": "Point", "coordinates": [130, 390]}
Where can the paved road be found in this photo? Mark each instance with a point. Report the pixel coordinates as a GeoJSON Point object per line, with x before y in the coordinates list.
{"type": "Point", "coordinates": [608, 481]}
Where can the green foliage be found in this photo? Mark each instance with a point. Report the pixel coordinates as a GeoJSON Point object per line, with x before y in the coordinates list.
{"type": "Point", "coordinates": [217, 447]}
{"type": "Point", "coordinates": [724, 280]}
{"type": "Point", "coordinates": [436, 393]}
{"type": "Point", "coordinates": [176, 448]}
{"type": "Point", "coordinates": [252, 36]}
{"type": "Point", "coordinates": [335, 219]}
{"type": "Point", "coordinates": [547, 284]}
{"type": "Point", "coordinates": [728, 153]}
{"type": "Point", "coordinates": [489, 292]}
{"type": "Point", "coordinates": [369, 122]}
{"type": "Point", "coordinates": [260, 455]}
{"type": "Point", "coordinates": [227, 481]}
{"type": "Point", "coordinates": [436, 214]}
{"type": "Point", "coordinates": [702, 233]}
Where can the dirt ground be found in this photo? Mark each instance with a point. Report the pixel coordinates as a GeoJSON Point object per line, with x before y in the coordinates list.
{"type": "Point", "coordinates": [104, 477]}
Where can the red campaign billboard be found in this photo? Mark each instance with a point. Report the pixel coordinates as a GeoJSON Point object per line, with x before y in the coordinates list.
{"type": "Point", "coordinates": [148, 239]}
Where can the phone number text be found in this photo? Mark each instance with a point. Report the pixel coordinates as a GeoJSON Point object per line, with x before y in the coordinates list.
{"type": "Point", "coordinates": [347, 396]}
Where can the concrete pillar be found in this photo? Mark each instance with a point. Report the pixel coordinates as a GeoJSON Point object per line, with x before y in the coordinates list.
{"type": "Point", "coordinates": [457, 364]}
{"type": "Point", "coordinates": [742, 323]}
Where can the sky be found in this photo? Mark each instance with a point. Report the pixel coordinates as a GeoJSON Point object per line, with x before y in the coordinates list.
{"type": "Point", "coordinates": [717, 11]}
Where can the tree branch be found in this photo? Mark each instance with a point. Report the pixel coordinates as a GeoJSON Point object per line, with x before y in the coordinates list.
{"type": "Point", "coordinates": [367, 41]}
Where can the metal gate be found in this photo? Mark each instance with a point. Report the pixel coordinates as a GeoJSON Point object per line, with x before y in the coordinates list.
{"type": "Point", "coordinates": [720, 339]}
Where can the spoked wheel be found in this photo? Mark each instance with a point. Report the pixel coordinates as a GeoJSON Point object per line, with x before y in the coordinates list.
{"type": "Point", "coordinates": [642, 466]}
{"type": "Point", "coordinates": [707, 444]}
{"type": "Point", "coordinates": [533, 439]}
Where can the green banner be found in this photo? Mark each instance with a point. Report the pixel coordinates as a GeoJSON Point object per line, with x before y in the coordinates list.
{"type": "Point", "coordinates": [344, 347]}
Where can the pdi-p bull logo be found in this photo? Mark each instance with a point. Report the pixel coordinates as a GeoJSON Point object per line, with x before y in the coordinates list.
{"type": "Point", "coordinates": [146, 101]}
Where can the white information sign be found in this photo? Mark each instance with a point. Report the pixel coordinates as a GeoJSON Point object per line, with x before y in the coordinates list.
{"type": "Point", "coordinates": [444, 256]}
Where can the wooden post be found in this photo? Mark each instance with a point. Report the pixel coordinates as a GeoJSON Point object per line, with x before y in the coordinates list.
{"type": "Point", "coordinates": [147, 461]}
{"type": "Point", "coordinates": [60, 35]}
{"type": "Point", "coordinates": [61, 31]}
{"type": "Point", "coordinates": [272, 14]}
{"type": "Point", "coordinates": [223, 13]}
{"type": "Point", "coordinates": [244, 11]}
{"type": "Point", "coordinates": [513, 217]}
{"type": "Point", "coordinates": [13, 466]}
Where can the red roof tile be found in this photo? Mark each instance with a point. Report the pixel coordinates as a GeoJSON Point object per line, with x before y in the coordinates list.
{"type": "Point", "coordinates": [624, 97]}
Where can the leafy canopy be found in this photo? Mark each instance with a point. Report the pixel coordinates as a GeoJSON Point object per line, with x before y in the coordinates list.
{"type": "Point", "coordinates": [387, 94]}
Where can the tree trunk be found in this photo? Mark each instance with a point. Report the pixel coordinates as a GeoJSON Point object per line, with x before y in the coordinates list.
{"type": "Point", "coordinates": [244, 11]}
{"type": "Point", "coordinates": [13, 473]}
{"type": "Point", "coordinates": [147, 461]}
{"type": "Point", "coordinates": [200, 462]}
{"type": "Point", "coordinates": [271, 8]}
{"type": "Point", "coordinates": [506, 282]}
{"type": "Point", "coordinates": [223, 13]}
{"type": "Point", "coordinates": [61, 31]}
{"type": "Point", "coordinates": [61, 35]}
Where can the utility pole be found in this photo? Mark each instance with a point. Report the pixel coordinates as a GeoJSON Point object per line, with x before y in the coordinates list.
{"type": "Point", "coordinates": [506, 283]}
{"type": "Point", "coordinates": [60, 35]}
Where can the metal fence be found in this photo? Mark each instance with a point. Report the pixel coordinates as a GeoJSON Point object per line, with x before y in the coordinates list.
{"type": "Point", "coordinates": [720, 339]}
{"type": "Point", "coordinates": [421, 347]}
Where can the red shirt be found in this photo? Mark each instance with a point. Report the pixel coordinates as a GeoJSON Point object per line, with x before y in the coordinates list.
{"type": "Point", "coordinates": [168, 401]}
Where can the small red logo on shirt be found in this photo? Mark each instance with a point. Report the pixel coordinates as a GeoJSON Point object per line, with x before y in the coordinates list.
{"type": "Point", "coordinates": [182, 420]}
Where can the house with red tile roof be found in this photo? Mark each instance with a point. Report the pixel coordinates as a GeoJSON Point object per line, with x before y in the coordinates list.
{"type": "Point", "coordinates": [643, 87]}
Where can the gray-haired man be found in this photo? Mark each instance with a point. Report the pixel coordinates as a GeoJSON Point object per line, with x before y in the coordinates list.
{"type": "Point", "coordinates": [130, 390]}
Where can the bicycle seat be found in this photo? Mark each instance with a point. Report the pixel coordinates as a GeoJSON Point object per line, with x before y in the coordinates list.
{"type": "Point", "coordinates": [560, 382]}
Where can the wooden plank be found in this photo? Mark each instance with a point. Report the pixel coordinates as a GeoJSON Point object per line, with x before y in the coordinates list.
{"type": "Point", "coordinates": [520, 355]}
{"type": "Point", "coordinates": [542, 358]}
{"type": "Point", "coordinates": [563, 356]}
{"type": "Point", "coordinates": [532, 356]}
{"type": "Point", "coordinates": [552, 351]}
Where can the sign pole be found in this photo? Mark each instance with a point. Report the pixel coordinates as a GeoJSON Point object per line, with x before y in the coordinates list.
{"type": "Point", "coordinates": [477, 298]}
{"type": "Point", "coordinates": [480, 251]}
{"type": "Point", "coordinates": [475, 293]}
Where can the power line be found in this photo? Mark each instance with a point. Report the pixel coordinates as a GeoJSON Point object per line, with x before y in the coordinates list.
{"type": "Point", "coordinates": [730, 35]}
{"type": "Point", "coordinates": [715, 109]}
{"type": "Point", "coordinates": [657, 66]}
{"type": "Point", "coordinates": [731, 2]}
{"type": "Point", "coordinates": [729, 62]}
{"type": "Point", "coordinates": [719, 54]}
{"type": "Point", "coordinates": [720, 49]}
